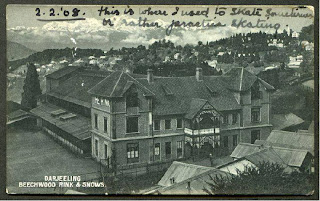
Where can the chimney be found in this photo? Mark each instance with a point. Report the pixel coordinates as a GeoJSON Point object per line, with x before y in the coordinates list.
{"type": "Point", "coordinates": [150, 76]}
{"type": "Point", "coordinates": [199, 75]}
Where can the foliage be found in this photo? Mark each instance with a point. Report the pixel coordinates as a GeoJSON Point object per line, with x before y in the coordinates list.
{"type": "Point", "coordinates": [266, 178]}
{"type": "Point", "coordinates": [307, 33]}
{"type": "Point", "coordinates": [31, 88]}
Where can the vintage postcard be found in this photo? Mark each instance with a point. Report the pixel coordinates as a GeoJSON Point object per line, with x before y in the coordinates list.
{"type": "Point", "coordinates": [160, 100]}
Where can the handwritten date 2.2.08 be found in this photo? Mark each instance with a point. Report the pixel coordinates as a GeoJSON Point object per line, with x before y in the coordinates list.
{"type": "Point", "coordinates": [74, 12]}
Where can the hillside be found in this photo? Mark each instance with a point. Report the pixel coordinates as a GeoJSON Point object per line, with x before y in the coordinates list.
{"type": "Point", "coordinates": [46, 56]}
{"type": "Point", "coordinates": [17, 51]}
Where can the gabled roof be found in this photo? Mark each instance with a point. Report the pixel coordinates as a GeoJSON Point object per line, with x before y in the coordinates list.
{"type": "Point", "coordinates": [265, 155]}
{"type": "Point", "coordinates": [291, 157]}
{"type": "Point", "coordinates": [115, 85]}
{"type": "Point", "coordinates": [282, 121]}
{"type": "Point", "coordinates": [245, 149]}
{"type": "Point", "coordinates": [184, 89]}
{"type": "Point", "coordinates": [195, 106]}
{"type": "Point", "coordinates": [239, 79]}
{"type": "Point", "coordinates": [181, 171]}
{"type": "Point", "coordinates": [197, 184]}
{"type": "Point", "coordinates": [294, 140]}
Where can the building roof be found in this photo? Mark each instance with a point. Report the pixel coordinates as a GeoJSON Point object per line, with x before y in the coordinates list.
{"type": "Point", "coordinates": [17, 116]}
{"type": "Point", "coordinates": [197, 183]}
{"type": "Point", "coordinates": [62, 72]}
{"type": "Point", "coordinates": [265, 155]}
{"type": "Point", "coordinates": [171, 95]}
{"type": "Point", "coordinates": [79, 127]}
{"type": "Point", "coordinates": [116, 84]}
{"type": "Point", "coordinates": [291, 157]}
{"type": "Point", "coordinates": [282, 121]}
{"type": "Point", "coordinates": [181, 171]}
{"type": "Point", "coordinates": [245, 149]}
{"type": "Point", "coordinates": [295, 140]}
{"type": "Point", "coordinates": [185, 89]}
{"type": "Point", "coordinates": [75, 89]}
{"type": "Point", "coordinates": [239, 79]}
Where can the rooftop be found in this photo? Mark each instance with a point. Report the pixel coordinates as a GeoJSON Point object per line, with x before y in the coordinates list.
{"type": "Point", "coordinates": [79, 127]}
{"type": "Point", "coordinates": [171, 95]}
{"type": "Point", "coordinates": [291, 157]}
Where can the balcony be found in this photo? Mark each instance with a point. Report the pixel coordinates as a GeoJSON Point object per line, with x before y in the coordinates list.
{"type": "Point", "coordinates": [202, 131]}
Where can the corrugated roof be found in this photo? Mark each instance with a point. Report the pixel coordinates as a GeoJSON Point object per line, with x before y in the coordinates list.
{"type": "Point", "coordinates": [181, 171]}
{"type": "Point", "coordinates": [282, 121]}
{"type": "Point", "coordinates": [265, 155]}
{"type": "Point", "coordinates": [291, 157]}
{"type": "Point", "coordinates": [244, 149]}
{"type": "Point", "coordinates": [197, 184]}
{"type": "Point", "coordinates": [294, 140]}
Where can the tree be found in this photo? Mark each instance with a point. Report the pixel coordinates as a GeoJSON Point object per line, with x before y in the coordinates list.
{"type": "Point", "coordinates": [31, 88]}
{"type": "Point", "coordinates": [266, 178]}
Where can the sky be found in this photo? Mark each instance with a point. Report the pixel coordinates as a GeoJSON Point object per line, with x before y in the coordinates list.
{"type": "Point", "coordinates": [24, 26]}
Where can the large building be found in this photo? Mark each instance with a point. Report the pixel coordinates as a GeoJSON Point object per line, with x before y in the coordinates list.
{"type": "Point", "coordinates": [122, 118]}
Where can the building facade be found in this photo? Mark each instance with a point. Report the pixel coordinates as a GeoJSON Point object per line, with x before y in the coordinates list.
{"type": "Point", "coordinates": [157, 119]}
{"type": "Point", "coordinates": [141, 119]}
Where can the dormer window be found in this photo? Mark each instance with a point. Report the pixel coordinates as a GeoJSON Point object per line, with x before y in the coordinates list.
{"type": "Point", "coordinates": [132, 98]}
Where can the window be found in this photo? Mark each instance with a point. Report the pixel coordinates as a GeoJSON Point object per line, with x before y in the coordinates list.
{"type": "Point", "coordinates": [132, 125]}
{"type": "Point", "coordinates": [132, 152]}
{"type": "Point", "coordinates": [255, 115]}
{"type": "Point", "coordinates": [156, 125]}
{"type": "Point", "coordinates": [225, 119]}
{"type": "Point", "coordinates": [168, 123]}
{"type": "Point", "coordinates": [132, 99]}
{"type": "Point", "coordinates": [255, 135]}
{"type": "Point", "coordinates": [96, 146]}
{"type": "Point", "coordinates": [157, 151]}
{"type": "Point", "coordinates": [96, 121]}
{"type": "Point", "coordinates": [105, 151]}
{"type": "Point", "coordinates": [179, 123]}
{"type": "Point", "coordinates": [235, 140]}
{"type": "Point", "coordinates": [168, 149]}
{"type": "Point", "coordinates": [179, 149]}
{"type": "Point", "coordinates": [225, 141]}
{"type": "Point", "coordinates": [234, 118]}
{"type": "Point", "coordinates": [105, 124]}
{"type": "Point", "coordinates": [255, 91]}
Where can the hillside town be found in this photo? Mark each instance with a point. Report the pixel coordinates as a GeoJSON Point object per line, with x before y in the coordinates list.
{"type": "Point", "coordinates": [165, 118]}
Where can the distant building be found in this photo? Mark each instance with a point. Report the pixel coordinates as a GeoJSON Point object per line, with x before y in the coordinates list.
{"type": "Point", "coordinates": [295, 34]}
{"type": "Point", "coordinates": [276, 43]}
{"type": "Point", "coordinates": [295, 61]}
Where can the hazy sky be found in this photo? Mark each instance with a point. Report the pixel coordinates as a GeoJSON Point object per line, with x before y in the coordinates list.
{"type": "Point", "coordinates": [24, 27]}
